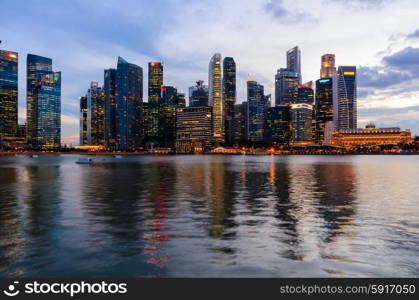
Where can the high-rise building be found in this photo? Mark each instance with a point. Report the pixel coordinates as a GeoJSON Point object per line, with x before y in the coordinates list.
{"type": "Point", "coordinates": [155, 82]}
{"type": "Point", "coordinates": [229, 96]}
{"type": "Point", "coordinates": [305, 93]}
{"type": "Point", "coordinates": [216, 97]}
{"type": "Point", "coordinates": [36, 67]}
{"type": "Point", "coordinates": [198, 95]}
{"type": "Point", "coordinates": [278, 131]}
{"type": "Point", "coordinates": [256, 102]}
{"type": "Point", "coordinates": [286, 86]}
{"type": "Point", "coordinates": [95, 99]}
{"type": "Point", "coordinates": [83, 121]}
{"type": "Point", "coordinates": [8, 93]}
{"type": "Point", "coordinates": [181, 100]}
{"type": "Point", "coordinates": [328, 69]}
{"type": "Point", "coordinates": [294, 61]}
{"type": "Point", "coordinates": [193, 129]}
{"type": "Point", "coordinates": [323, 107]}
{"type": "Point", "coordinates": [301, 121]}
{"type": "Point", "coordinates": [47, 96]}
{"type": "Point", "coordinates": [109, 89]}
{"type": "Point", "coordinates": [240, 123]}
{"type": "Point", "coordinates": [129, 100]}
{"type": "Point", "coordinates": [167, 116]}
{"type": "Point", "coordinates": [345, 106]}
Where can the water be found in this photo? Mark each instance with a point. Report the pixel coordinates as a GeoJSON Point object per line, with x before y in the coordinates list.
{"type": "Point", "coordinates": [212, 216]}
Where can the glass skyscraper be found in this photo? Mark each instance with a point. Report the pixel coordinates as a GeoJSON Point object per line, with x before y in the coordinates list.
{"type": "Point", "coordinates": [323, 107]}
{"type": "Point", "coordinates": [47, 96]}
{"type": "Point", "coordinates": [155, 82]}
{"type": "Point", "coordinates": [83, 121]}
{"type": "Point", "coordinates": [301, 122]}
{"type": "Point", "coordinates": [198, 95]}
{"type": "Point", "coordinates": [305, 93]}
{"type": "Point", "coordinates": [286, 86]}
{"type": "Point", "coordinates": [278, 130]}
{"type": "Point", "coordinates": [109, 89]}
{"type": "Point", "coordinates": [8, 93]}
{"type": "Point", "coordinates": [256, 111]}
{"type": "Point", "coordinates": [167, 116]}
{"type": "Point", "coordinates": [95, 102]}
{"type": "Point", "coordinates": [129, 98]}
{"type": "Point", "coordinates": [328, 69]}
{"type": "Point", "coordinates": [37, 66]}
{"type": "Point", "coordinates": [345, 108]}
{"type": "Point", "coordinates": [216, 97]}
{"type": "Point", "coordinates": [294, 61]}
{"type": "Point", "coordinates": [229, 96]}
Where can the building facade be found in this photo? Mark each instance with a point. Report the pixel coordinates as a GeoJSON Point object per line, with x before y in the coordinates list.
{"type": "Point", "coordinates": [323, 107]}
{"type": "Point", "coordinates": [278, 129]}
{"type": "Point", "coordinates": [83, 121]}
{"type": "Point", "coordinates": [345, 106]}
{"type": "Point", "coordinates": [256, 103]}
{"type": "Point", "coordinates": [229, 97]}
{"type": "Point", "coordinates": [328, 69]}
{"type": "Point", "coordinates": [198, 95]}
{"type": "Point", "coordinates": [301, 122]}
{"type": "Point", "coordinates": [286, 86]}
{"type": "Point", "coordinates": [95, 102]}
{"type": "Point", "coordinates": [305, 93]}
{"type": "Point", "coordinates": [8, 93]}
{"type": "Point", "coordinates": [109, 89]}
{"type": "Point", "coordinates": [216, 96]}
{"type": "Point", "coordinates": [155, 82]}
{"type": "Point", "coordinates": [294, 61]}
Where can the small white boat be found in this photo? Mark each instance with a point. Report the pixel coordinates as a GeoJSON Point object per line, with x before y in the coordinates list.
{"type": "Point", "coordinates": [84, 160]}
{"type": "Point", "coordinates": [34, 156]}
{"type": "Point", "coordinates": [117, 156]}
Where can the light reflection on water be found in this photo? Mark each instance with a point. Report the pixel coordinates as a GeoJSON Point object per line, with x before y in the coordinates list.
{"type": "Point", "coordinates": [209, 216]}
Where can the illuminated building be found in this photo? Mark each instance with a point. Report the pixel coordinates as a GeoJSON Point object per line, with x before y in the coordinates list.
{"type": "Point", "coordinates": [240, 123]}
{"type": "Point", "coordinates": [323, 107]}
{"type": "Point", "coordinates": [37, 66]}
{"type": "Point", "coordinates": [129, 99]}
{"type": "Point", "coordinates": [286, 86]}
{"type": "Point", "coordinates": [305, 93]}
{"type": "Point", "coordinates": [181, 100]}
{"type": "Point", "coordinates": [345, 105]}
{"type": "Point", "coordinates": [8, 93]}
{"type": "Point", "coordinates": [371, 136]}
{"type": "Point", "coordinates": [95, 115]}
{"type": "Point", "coordinates": [83, 121]}
{"type": "Point", "coordinates": [198, 95]}
{"type": "Point", "coordinates": [301, 121]}
{"type": "Point", "coordinates": [256, 103]}
{"type": "Point", "coordinates": [278, 131]}
{"type": "Point", "coordinates": [328, 69]}
{"type": "Point", "coordinates": [167, 116]}
{"type": "Point", "coordinates": [215, 96]}
{"type": "Point", "coordinates": [155, 82]}
{"type": "Point", "coordinates": [294, 61]}
{"type": "Point", "coordinates": [109, 89]}
{"type": "Point", "coordinates": [47, 96]}
{"type": "Point", "coordinates": [229, 96]}
{"type": "Point", "coordinates": [193, 129]}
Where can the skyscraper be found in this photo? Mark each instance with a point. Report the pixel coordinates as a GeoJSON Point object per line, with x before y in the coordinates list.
{"type": "Point", "coordinates": [294, 61]}
{"type": "Point", "coordinates": [278, 130]}
{"type": "Point", "coordinates": [95, 115]}
{"type": "Point", "coordinates": [323, 107]}
{"type": "Point", "coordinates": [301, 121]}
{"type": "Point", "coordinates": [305, 93]}
{"type": "Point", "coordinates": [215, 96]}
{"type": "Point", "coordinates": [47, 96]}
{"type": "Point", "coordinates": [328, 69]}
{"type": "Point", "coordinates": [286, 86]}
{"type": "Point", "coordinates": [240, 123]}
{"type": "Point", "coordinates": [109, 89]}
{"type": "Point", "coordinates": [155, 82]}
{"type": "Point", "coordinates": [129, 98]}
{"type": "Point", "coordinates": [167, 116]}
{"type": "Point", "coordinates": [345, 106]}
{"type": "Point", "coordinates": [198, 95]}
{"type": "Point", "coordinates": [229, 96]}
{"type": "Point", "coordinates": [256, 111]}
{"type": "Point", "coordinates": [36, 67]}
{"type": "Point", "coordinates": [83, 121]}
{"type": "Point", "coordinates": [8, 93]}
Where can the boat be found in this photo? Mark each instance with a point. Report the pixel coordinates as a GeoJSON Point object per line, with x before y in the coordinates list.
{"type": "Point", "coordinates": [34, 156]}
{"type": "Point", "coordinates": [84, 160]}
{"type": "Point", "coordinates": [117, 156]}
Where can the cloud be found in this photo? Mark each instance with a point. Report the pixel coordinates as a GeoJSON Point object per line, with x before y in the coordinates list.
{"type": "Point", "coordinates": [362, 4]}
{"type": "Point", "coordinates": [413, 36]}
{"type": "Point", "coordinates": [277, 10]}
{"type": "Point", "coordinates": [404, 60]}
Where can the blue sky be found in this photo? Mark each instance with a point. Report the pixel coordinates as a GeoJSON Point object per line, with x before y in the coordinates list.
{"type": "Point", "coordinates": [380, 37]}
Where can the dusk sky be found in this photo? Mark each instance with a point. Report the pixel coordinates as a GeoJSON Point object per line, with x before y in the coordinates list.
{"type": "Point", "coordinates": [83, 38]}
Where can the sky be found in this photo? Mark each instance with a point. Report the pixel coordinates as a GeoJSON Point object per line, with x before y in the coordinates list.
{"type": "Point", "coordinates": [380, 37]}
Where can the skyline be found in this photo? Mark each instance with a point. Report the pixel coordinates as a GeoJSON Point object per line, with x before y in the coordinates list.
{"type": "Point", "coordinates": [185, 62]}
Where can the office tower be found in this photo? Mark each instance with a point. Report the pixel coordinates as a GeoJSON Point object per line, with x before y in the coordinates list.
{"type": "Point", "coordinates": [301, 121]}
{"type": "Point", "coordinates": [83, 121]}
{"type": "Point", "coordinates": [345, 106]}
{"type": "Point", "coordinates": [215, 96]}
{"type": "Point", "coordinates": [193, 129]}
{"type": "Point", "coordinates": [323, 107]}
{"type": "Point", "coordinates": [229, 96]}
{"type": "Point", "coordinates": [294, 61]}
{"type": "Point", "coordinates": [155, 82]}
{"type": "Point", "coordinates": [145, 121]}
{"type": "Point", "coordinates": [240, 123]}
{"type": "Point", "coordinates": [8, 93]}
{"type": "Point", "coordinates": [36, 67]}
{"type": "Point", "coordinates": [256, 102]}
{"type": "Point", "coordinates": [129, 99]}
{"type": "Point", "coordinates": [328, 69]}
{"type": "Point", "coordinates": [198, 95]}
{"type": "Point", "coordinates": [167, 116]}
{"type": "Point", "coordinates": [278, 131]}
{"type": "Point", "coordinates": [286, 86]}
{"type": "Point", "coordinates": [46, 93]}
{"type": "Point", "coordinates": [95, 102]}
{"type": "Point", "coordinates": [181, 100]}
{"type": "Point", "coordinates": [109, 89]}
{"type": "Point", "coordinates": [305, 93]}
